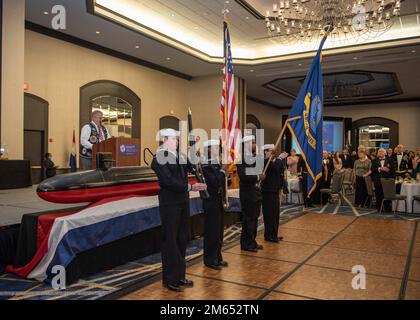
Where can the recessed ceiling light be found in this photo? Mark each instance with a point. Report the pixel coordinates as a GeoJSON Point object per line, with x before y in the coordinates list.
{"type": "Point", "coordinates": [355, 58]}
{"type": "Point", "coordinates": [252, 70]}
{"type": "Point", "coordinates": [247, 18]}
{"type": "Point", "coordinates": [172, 15]}
{"type": "Point", "coordinates": [137, 46]}
{"type": "Point", "coordinates": [168, 59]}
{"type": "Point", "coordinates": [98, 32]}
{"type": "Point", "coordinates": [299, 64]}
{"type": "Point", "coordinates": [413, 51]}
{"type": "Point", "coordinates": [195, 28]}
{"type": "Point", "coordinates": [227, 2]}
{"type": "Point", "coordinates": [46, 12]}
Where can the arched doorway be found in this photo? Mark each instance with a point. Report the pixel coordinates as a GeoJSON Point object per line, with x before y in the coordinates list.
{"type": "Point", "coordinates": [35, 141]}
{"type": "Point", "coordinates": [169, 122]}
{"type": "Point", "coordinates": [121, 106]}
{"type": "Point", "coordinates": [252, 123]}
{"type": "Point", "coordinates": [375, 133]}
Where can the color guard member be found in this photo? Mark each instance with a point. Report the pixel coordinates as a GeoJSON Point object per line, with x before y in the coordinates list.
{"type": "Point", "coordinates": [271, 187]}
{"type": "Point", "coordinates": [215, 177]}
{"type": "Point", "coordinates": [249, 197]}
{"type": "Point", "coordinates": [174, 209]}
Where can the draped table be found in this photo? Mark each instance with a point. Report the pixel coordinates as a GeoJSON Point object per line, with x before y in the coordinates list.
{"type": "Point", "coordinates": [409, 189]}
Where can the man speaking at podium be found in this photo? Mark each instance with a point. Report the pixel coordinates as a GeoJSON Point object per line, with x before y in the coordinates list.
{"type": "Point", "coordinates": [92, 133]}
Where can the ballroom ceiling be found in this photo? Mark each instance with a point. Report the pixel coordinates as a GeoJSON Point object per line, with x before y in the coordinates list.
{"type": "Point", "coordinates": [194, 26]}
{"type": "Point", "coordinates": [203, 19]}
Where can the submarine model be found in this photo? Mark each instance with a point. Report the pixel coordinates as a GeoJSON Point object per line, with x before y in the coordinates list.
{"type": "Point", "coordinates": [95, 185]}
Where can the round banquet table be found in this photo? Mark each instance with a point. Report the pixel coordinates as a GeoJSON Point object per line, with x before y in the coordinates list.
{"type": "Point", "coordinates": [409, 189]}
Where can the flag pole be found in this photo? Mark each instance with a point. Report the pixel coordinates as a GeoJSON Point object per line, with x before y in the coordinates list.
{"type": "Point", "coordinates": [283, 130]}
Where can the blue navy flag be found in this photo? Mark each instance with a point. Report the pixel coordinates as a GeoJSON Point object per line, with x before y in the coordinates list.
{"type": "Point", "coordinates": [305, 121]}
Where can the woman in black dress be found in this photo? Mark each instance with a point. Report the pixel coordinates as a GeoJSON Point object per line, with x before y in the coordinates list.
{"type": "Point", "coordinates": [362, 169]}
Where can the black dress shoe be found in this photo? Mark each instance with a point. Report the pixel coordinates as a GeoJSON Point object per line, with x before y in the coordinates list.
{"type": "Point", "coordinates": [272, 240]}
{"type": "Point", "coordinates": [260, 247]}
{"type": "Point", "coordinates": [172, 287]}
{"type": "Point", "coordinates": [280, 238]}
{"type": "Point", "coordinates": [250, 249]}
{"type": "Point", "coordinates": [223, 264]}
{"type": "Point", "coordinates": [213, 266]}
{"type": "Point", "coordinates": [186, 283]}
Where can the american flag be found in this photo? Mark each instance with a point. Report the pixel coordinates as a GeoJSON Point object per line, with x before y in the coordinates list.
{"type": "Point", "coordinates": [229, 110]}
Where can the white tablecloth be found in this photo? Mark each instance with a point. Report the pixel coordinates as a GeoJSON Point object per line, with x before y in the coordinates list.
{"type": "Point", "coordinates": [409, 190]}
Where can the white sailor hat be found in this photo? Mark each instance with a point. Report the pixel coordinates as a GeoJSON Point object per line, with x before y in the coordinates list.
{"type": "Point", "coordinates": [209, 143]}
{"type": "Point", "coordinates": [168, 133]}
{"type": "Point", "coordinates": [268, 146]}
{"type": "Point", "coordinates": [248, 138]}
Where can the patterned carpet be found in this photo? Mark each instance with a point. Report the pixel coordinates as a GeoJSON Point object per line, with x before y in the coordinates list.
{"type": "Point", "coordinates": [138, 273]}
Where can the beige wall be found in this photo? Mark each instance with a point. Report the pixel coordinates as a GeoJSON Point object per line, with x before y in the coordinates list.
{"type": "Point", "coordinates": [270, 118]}
{"type": "Point", "coordinates": [406, 114]}
{"type": "Point", "coordinates": [13, 77]}
{"type": "Point", "coordinates": [55, 71]}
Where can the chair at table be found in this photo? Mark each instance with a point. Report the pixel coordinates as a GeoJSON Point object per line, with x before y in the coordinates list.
{"type": "Point", "coordinates": [415, 198]}
{"type": "Point", "coordinates": [347, 181]}
{"type": "Point", "coordinates": [297, 191]}
{"type": "Point", "coordinates": [390, 194]}
{"type": "Point", "coordinates": [336, 186]}
{"type": "Point", "coordinates": [370, 191]}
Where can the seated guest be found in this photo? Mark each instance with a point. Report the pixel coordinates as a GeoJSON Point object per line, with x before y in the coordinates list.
{"type": "Point", "coordinates": [390, 153]}
{"type": "Point", "coordinates": [338, 163]}
{"type": "Point", "coordinates": [382, 167]}
{"type": "Point", "coordinates": [292, 161]}
{"type": "Point", "coordinates": [50, 167]}
{"type": "Point", "coordinates": [401, 162]}
{"type": "Point", "coordinates": [346, 159]}
{"type": "Point", "coordinates": [362, 168]}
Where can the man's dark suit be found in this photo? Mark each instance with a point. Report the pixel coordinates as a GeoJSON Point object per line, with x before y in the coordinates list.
{"type": "Point", "coordinates": [377, 175]}
{"type": "Point", "coordinates": [174, 214]}
{"type": "Point", "coordinates": [401, 169]}
{"type": "Point", "coordinates": [347, 161]}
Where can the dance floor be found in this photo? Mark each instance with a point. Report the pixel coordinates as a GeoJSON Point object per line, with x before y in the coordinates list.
{"type": "Point", "coordinates": [314, 261]}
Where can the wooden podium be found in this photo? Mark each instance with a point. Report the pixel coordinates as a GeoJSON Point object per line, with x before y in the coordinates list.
{"type": "Point", "coordinates": [125, 151]}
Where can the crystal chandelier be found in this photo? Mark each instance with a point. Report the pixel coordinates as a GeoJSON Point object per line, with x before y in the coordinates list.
{"type": "Point", "coordinates": [304, 20]}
